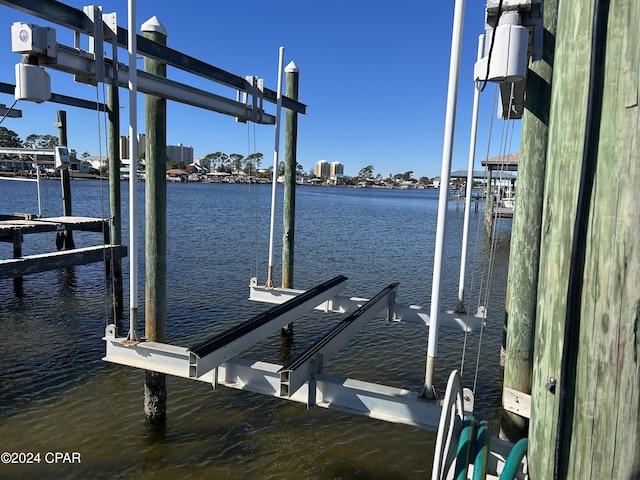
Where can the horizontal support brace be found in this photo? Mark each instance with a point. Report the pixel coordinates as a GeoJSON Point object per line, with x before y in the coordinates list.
{"type": "Point", "coordinates": [516, 402]}
{"type": "Point", "coordinates": [402, 312]}
{"type": "Point", "coordinates": [311, 361]}
{"type": "Point", "coordinates": [210, 353]}
{"type": "Point", "coordinates": [10, 89]}
{"type": "Point", "coordinates": [381, 402]}
{"type": "Point", "coordinates": [82, 65]}
{"type": "Point", "coordinates": [19, 267]}
{"type": "Point", "coordinates": [50, 224]}
{"type": "Point", "coordinates": [70, 17]}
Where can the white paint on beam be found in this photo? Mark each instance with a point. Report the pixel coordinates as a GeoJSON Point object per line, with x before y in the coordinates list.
{"type": "Point", "coordinates": [381, 402]}
{"type": "Point", "coordinates": [402, 312]}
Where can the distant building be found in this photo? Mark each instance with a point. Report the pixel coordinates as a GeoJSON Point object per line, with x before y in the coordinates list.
{"type": "Point", "coordinates": [336, 169]}
{"type": "Point", "coordinates": [124, 146]}
{"type": "Point", "coordinates": [323, 169]}
{"type": "Point", "coordinates": [178, 153]}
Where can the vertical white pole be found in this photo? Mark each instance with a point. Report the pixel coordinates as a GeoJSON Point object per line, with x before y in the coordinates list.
{"type": "Point", "coordinates": [274, 185]}
{"type": "Point", "coordinates": [133, 176]}
{"type": "Point", "coordinates": [454, 64]}
{"type": "Point", "coordinates": [467, 204]}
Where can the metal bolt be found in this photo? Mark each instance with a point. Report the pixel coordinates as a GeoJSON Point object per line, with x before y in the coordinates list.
{"type": "Point", "coordinates": [551, 385]}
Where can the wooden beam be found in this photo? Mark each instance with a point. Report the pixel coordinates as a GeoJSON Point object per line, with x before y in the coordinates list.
{"type": "Point", "coordinates": [19, 267]}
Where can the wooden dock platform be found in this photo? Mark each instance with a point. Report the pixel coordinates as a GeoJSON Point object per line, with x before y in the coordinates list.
{"type": "Point", "coordinates": [12, 231]}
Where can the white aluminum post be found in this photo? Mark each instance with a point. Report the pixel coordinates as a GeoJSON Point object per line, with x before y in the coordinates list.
{"type": "Point", "coordinates": [432, 348]}
{"type": "Point", "coordinates": [133, 176]}
{"type": "Point", "coordinates": [467, 204]}
{"type": "Point", "coordinates": [274, 185]}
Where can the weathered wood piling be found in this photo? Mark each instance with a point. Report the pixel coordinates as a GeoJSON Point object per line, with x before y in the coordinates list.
{"type": "Point", "coordinates": [526, 228]}
{"type": "Point", "coordinates": [585, 419]}
{"type": "Point", "coordinates": [290, 171]}
{"type": "Point", "coordinates": [155, 392]}
{"type": "Point", "coordinates": [113, 101]}
{"type": "Point", "coordinates": [66, 236]}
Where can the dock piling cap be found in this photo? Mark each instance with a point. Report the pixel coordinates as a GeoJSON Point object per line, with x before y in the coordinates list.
{"type": "Point", "coordinates": [153, 25]}
{"type": "Point", "coordinates": [291, 67]}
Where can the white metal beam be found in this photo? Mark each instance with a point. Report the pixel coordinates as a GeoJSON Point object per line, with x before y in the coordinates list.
{"type": "Point", "coordinates": [82, 65]}
{"type": "Point", "coordinates": [402, 312]}
{"type": "Point", "coordinates": [210, 353]}
{"type": "Point", "coordinates": [381, 402]}
{"type": "Point", "coordinates": [306, 366]}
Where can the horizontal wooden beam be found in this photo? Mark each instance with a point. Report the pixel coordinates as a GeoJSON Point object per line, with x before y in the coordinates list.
{"type": "Point", "coordinates": [19, 267]}
{"type": "Point", "coordinates": [516, 402]}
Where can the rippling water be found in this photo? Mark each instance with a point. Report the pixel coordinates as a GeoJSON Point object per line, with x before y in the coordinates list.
{"type": "Point", "coordinates": [57, 395]}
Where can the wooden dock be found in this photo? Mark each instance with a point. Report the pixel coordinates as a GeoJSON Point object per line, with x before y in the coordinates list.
{"type": "Point", "coordinates": [12, 231]}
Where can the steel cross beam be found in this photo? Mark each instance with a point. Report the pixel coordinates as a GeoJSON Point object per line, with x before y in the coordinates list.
{"type": "Point", "coordinates": [83, 66]}
{"type": "Point", "coordinates": [372, 400]}
{"type": "Point", "coordinates": [214, 351]}
{"type": "Point", "coordinates": [62, 99]}
{"type": "Point", "coordinates": [402, 312]}
{"type": "Point", "coordinates": [74, 19]}
{"type": "Point", "coordinates": [306, 366]}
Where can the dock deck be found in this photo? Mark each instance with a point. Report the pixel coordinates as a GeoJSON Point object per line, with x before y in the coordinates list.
{"type": "Point", "coordinates": [12, 231]}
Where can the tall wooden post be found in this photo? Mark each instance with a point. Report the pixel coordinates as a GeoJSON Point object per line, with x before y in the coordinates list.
{"type": "Point", "coordinates": [599, 435]}
{"type": "Point", "coordinates": [115, 236]}
{"type": "Point", "coordinates": [526, 228]}
{"type": "Point", "coordinates": [288, 218]}
{"type": "Point", "coordinates": [65, 182]}
{"type": "Point", "coordinates": [488, 204]}
{"type": "Point", "coordinates": [155, 397]}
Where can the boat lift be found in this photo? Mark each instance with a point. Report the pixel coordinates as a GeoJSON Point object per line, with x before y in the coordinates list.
{"type": "Point", "coordinates": [216, 360]}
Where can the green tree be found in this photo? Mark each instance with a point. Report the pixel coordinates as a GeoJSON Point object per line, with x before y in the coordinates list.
{"type": "Point", "coordinates": [40, 141]}
{"type": "Point", "coordinates": [237, 161]}
{"type": "Point", "coordinates": [365, 173]}
{"type": "Point", "coordinates": [9, 138]}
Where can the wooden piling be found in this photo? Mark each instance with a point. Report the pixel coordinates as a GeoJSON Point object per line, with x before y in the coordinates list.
{"type": "Point", "coordinates": [113, 102]}
{"type": "Point", "coordinates": [155, 397]}
{"type": "Point", "coordinates": [599, 434]}
{"type": "Point", "coordinates": [290, 141]}
{"type": "Point", "coordinates": [526, 229]}
{"type": "Point", "coordinates": [488, 204]}
{"type": "Point", "coordinates": [65, 181]}
{"type": "Point", "coordinates": [290, 164]}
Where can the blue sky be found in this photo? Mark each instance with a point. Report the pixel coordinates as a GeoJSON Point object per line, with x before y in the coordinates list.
{"type": "Point", "coordinates": [373, 75]}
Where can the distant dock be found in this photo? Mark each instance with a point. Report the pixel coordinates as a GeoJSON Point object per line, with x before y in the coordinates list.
{"type": "Point", "coordinates": [13, 229]}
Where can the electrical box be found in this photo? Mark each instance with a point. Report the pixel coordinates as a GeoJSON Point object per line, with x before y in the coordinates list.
{"type": "Point", "coordinates": [33, 39]}
{"type": "Point", "coordinates": [32, 83]}
{"type": "Point", "coordinates": [62, 158]}
{"type": "Point", "coordinates": [509, 58]}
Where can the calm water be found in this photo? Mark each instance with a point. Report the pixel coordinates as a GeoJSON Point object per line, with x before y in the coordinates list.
{"type": "Point", "coordinates": [57, 395]}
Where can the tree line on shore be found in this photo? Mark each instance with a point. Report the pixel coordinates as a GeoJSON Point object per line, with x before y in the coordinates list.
{"type": "Point", "coordinates": [233, 163]}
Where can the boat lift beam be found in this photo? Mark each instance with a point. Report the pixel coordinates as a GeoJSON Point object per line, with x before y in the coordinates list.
{"type": "Point", "coordinates": [402, 312]}
{"type": "Point", "coordinates": [83, 66]}
{"type": "Point", "coordinates": [381, 402]}
{"type": "Point", "coordinates": [214, 351]}
{"type": "Point", "coordinates": [72, 18]}
{"type": "Point", "coordinates": [216, 364]}
{"type": "Point", "coordinates": [306, 366]}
